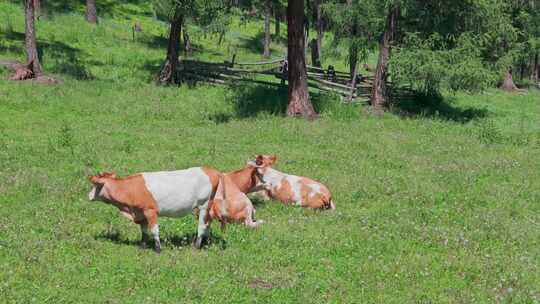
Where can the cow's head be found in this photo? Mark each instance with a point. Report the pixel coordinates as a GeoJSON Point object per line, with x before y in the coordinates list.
{"type": "Point", "coordinates": [98, 181]}
{"type": "Point", "coordinates": [263, 163]}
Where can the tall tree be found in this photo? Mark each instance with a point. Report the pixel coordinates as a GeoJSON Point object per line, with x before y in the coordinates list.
{"type": "Point", "coordinates": [535, 69]}
{"type": "Point", "coordinates": [354, 25]}
{"type": "Point", "coordinates": [212, 16]}
{"type": "Point", "coordinates": [37, 8]}
{"type": "Point", "coordinates": [30, 38]}
{"type": "Point", "coordinates": [167, 73]}
{"type": "Point", "coordinates": [379, 94]}
{"type": "Point", "coordinates": [320, 32]}
{"type": "Point", "coordinates": [353, 48]}
{"type": "Point", "coordinates": [277, 21]}
{"type": "Point", "coordinates": [267, 14]}
{"type": "Point", "coordinates": [508, 82]}
{"type": "Point", "coordinates": [91, 12]}
{"type": "Point", "coordinates": [299, 102]}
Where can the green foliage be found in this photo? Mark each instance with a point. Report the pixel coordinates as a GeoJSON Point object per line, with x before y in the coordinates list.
{"type": "Point", "coordinates": [208, 15]}
{"type": "Point", "coordinates": [356, 26]}
{"type": "Point", "coordinates": [429, 66]}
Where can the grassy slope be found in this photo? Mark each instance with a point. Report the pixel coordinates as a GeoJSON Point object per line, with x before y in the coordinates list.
{"type": "Point", "coordinates": [440, 207]}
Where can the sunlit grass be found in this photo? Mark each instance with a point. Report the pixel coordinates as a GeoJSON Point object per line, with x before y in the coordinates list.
{"type": "Point", "coordinates": [436, 204]}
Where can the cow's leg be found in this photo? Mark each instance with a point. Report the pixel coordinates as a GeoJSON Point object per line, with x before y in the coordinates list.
{"type": "Point", "coordinates": [250, 218]}
{"type": "Point", "coordinates": [202, 228]}
{"type": "Point", "coordinates": [144, 233]}
{"type": "Point", "coordinates": [151, 218]}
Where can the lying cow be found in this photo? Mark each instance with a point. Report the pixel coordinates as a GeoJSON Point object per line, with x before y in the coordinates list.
{"type": "Point", "coordinates": [144, 196]}
{"type": "Point", "coordinates": [231, 205]}
{"type": "Point", "coordinates": [292, 189]}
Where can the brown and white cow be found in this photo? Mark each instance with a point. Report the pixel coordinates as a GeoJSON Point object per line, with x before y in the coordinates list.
{"type": "Point", "coordinates": [144, 196]}
{"type": "Point", "coordinates": [247, 181]}
{"type": "Point", "coordinates": [292, 189]}
{"type": "Point", "coordinates": [231, 205]}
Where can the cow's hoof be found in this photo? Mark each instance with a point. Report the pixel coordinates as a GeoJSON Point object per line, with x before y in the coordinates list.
{"type": "Point", "coordinates": [199, 242]}
{"type": "Point", "coordinates": [157, 250]}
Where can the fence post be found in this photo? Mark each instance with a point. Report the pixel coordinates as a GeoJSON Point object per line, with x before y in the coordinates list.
{"type": "Point", "coordinates": [353, 82]}
{"type": "Point", "coordinates": [284, 71]}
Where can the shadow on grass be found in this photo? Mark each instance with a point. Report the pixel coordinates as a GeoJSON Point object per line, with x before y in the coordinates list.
{"type": "Point", "coordinates": [434, 106]}
{"type": "Point", "coordinates": [104, 7]}
{"type": "Point", "coordinates": [184, 240]}
{"type": "Point", "coordinates": [251, 98]}
{"type": "Point", "coordinates": [65, 58]}
{"type": "Point", "coordinates": [255, 43]}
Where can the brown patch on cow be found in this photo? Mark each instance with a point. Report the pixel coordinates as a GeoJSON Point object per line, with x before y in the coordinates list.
{"type": "Point", "coordinates": [230, 205]}
{"type": "Point", "coordinates": [283, 192]}
{"type": "Point", "coordinates": [319, 200]}
{"type": "Point", "coordinates": [311, 199]}
{"type": "Point", "coordinates": [129, 195]}
{"type": "Point", "coordinates": [245, 179]}
{"type": "Point", "coordinates": [265, 160]}
{"type": "Point", "coordinates": [213, 174]}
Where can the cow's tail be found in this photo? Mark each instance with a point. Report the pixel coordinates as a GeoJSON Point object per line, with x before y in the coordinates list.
{"type": "Point", "coordinates": [331, 204]}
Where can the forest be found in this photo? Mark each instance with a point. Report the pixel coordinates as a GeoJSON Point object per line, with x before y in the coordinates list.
{"type": "Point", "coordinates": [422, 118]}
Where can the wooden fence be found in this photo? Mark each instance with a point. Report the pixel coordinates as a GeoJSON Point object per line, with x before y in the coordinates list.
{"type": "Point", "coordinates": [328, 80]}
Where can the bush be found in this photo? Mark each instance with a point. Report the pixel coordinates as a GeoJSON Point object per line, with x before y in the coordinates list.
{"type": "Point", "coordinates": [429, 65]}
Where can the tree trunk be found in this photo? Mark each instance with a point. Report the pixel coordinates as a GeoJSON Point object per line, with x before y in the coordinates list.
{"type": "Point", "coordinates": [535, 69]}
{"type": "Point", "coordinates": [277, 24]}
{"type": "Point", "coordinates": [315, 61]}
{"type": "Point", "coordinates": [380, 98]}
{"type": "Point", "coordinates": [508, 83]}
{"type": "Point", "coordinates": [319, 28]}
{"type": "Point", "coordinates": [353, 50]}
{"type": "Point", "coordinates": [299, 103]}
{"type": "Point", "coordinates": [91, 13]}
{"type": "Point", "coordinates": [267, 14]}
{"type": "Point", "coordinates": [37, 9]}
{"type": "Point", "coordinates": [167, 74]}
{"type": "Point", "coordinates": [30, 38]}
{"type": "Point", "coordinates": [353, 83]}
{"type": "Point", "coordinates": [187, 42]}
{"type": "Point", "coordinates": [353, 61]}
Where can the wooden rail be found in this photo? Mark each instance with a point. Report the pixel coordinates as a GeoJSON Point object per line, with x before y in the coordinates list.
{"type": "Point", "coordinates": [328, 79]}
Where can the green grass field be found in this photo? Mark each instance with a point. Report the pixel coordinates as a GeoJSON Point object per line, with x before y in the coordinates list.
{"type": "Point", "coordinates": [435, 204]}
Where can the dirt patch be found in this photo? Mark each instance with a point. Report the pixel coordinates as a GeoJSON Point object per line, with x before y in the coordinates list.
{"type": "Point", "coordinates": [261, 284]}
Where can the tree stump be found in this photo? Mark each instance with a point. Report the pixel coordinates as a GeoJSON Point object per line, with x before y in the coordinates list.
{"type": "Point", "coordinates": [23, 71]}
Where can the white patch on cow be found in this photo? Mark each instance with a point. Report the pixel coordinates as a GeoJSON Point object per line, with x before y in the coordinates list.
{"type": "Point", "coordinates": [296, 187]}
{"type": "Point", "coordinates": [223, 208]}
{"type": "Point", "coordinates": [272, 178]}
{"type": "Point", "coordinates": [155, 231]}
{"type": "Point", "coordinates": [92, 194]}
{"type": "Point", "coordinates": [178, 192]}
{"type": "Point", "coordinates": [315, 188]}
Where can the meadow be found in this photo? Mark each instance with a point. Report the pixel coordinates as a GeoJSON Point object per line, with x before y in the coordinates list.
{"type": "Point", "coordinates": [437, 201]}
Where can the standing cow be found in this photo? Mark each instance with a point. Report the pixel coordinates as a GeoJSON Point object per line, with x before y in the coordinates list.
{"type": "Point", "coordinates": [142, 197]}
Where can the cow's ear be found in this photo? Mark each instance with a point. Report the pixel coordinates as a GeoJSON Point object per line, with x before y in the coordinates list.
{"type": "Point", "coordinates": [273, 158]}
{"type": "Point", "coordinates": [109, 174]}
{"type": "Point", "coordinates": [93, 179]}
{"type": "Point", "coordinates": [259, 160]}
